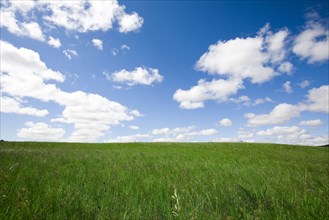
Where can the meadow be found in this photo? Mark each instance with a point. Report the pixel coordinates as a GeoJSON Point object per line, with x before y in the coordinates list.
{"type": "Point", "coordinates": [163, 181]}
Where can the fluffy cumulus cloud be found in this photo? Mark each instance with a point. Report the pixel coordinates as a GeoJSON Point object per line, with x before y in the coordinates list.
{"type": "Point", "coordinates": [318, 99]}
{"type": "Point", "coordinates": [245, 134]}
{"type": "Point", "coordinates": [287, 87]}
{"type": "Point", "coordinates": [23, 74]}
{"type": "Point", "coordinates": [40, 131]}
{"type": "Point", "coordinates": [25, 28]}
{"type": "Point", "coordinates": [315, 122]}
{"type": "Point", "coordinates": [281, 113]}
{"type": "Point", "coordinates": [91, 114]}
{"type": "Point", "coordinates": [218, 90]}
{"type": "Point", "coordinates": [130, 22]}
{"type": "Point", "coordinates": [226, 122]}
{"type": "Point", "coordinates": [253, 57]}
{"type": "Point", "coordinates": [278, 130]}
{"type": "Point", "coordinates": [226, 139]}
{"type": "Point", "coordinates": [98, 43]}
{"type": "Point", "coordinates": [312, 43]}
{"type": "Point", "coordinates": [177, 134]}
{"type": "Point", "coordinates": [257, 59]}
{"type": "Point", "coordinates": [139, 75]}
{"type": "Point", "coordinates": [180, 134]}
{"type": "Point", "coordinates": [285, 134]}
{"type": "Point", "coordinates": [129, 138]}
{"type": "Point", "coordinates": [21, 17]}
{"type": "Point", "coordinates": [174, 131]}
{"type": "Point", "coordinates": [277, 134]}
{"type": "Point", "coordinates": [286, 67]}
{"type": "Point", "coordinates": [10, 105]}
{"type": "Point", "coordinates": [54, 42]}
{"type": "Point", "coordinates": [292, 135]}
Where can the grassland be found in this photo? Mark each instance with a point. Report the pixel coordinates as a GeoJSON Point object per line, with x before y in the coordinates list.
{"type": "Point", "coordinates": [163, 181]}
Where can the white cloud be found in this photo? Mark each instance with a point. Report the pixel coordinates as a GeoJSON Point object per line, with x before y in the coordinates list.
{"type": "Point", "coordinates": [21, 60]}
{"type": "Point", "coordinates": [21, 17]}
{"type": "Point", "coordinates": [186, 136]}
{"type": "Point", "coordinates": [257, 58]}
{"type": "Point", "coordinates": [84, 16]}
{"type": "Point", "coordinates": [315, 122]}
{"type": "Point", "coordinates": [70, 53]}
{"type": "Point", "coordinates": [114, 51]}
{"type": "Point", "coordinates": [91, 114]}
{"type": "Point", "coordinates": [181, 133]}
{"type": "Point", "coordinates": [24, 28]}
{"type": "Point", "coordinates": [287, 88]}
{"type": "Point", "coordinates": [128, 138]}
{"type": "Point", "coordinates": [261, 101]}
{"type": "Point", "coordinates": [23, 74]}
{"type": "Point", "coordinates": [125, 47]}
{"type": "Point", "coordinates": [226, 122]}
{"type": "Point", "coordinates": [177, 134]}
{"type": "Point", "coordinates": [226, 139]}
{"type": "Point", "coordinates": [276, 44]}
{"type": "Point", "coordinates": [98, 43]}
{"type": "Point", "coordinates": [41, 131]}
{"type": "Point", "coordinates": [316, 141]}
{"type": "Point", "coordinates": [240, 58]}
{"type": "Point", "coordinates": [164, 131]}
{"type": "Point", "coordinates": [286, 67]}
{"type": "Point", "coordinates": [304, 84]}
{"type": "Point", "coordinates": [218, 90]}
{"type": "Point", "coordinates": [22, 6]}
{"type": "Point", "coordinates": [246, 101]}
{"type": "Point", "coordinates": [286, 134]}
{"type": "Point", "coordinates": [54, 42]}
{"type": "Point", "coordinates": [281, 113]}
{"type": "Point", "coordinates": [10, 105]}
{"type": "Point", "coordinates": [243, 134]}
{"type": "Point", "coordinates": [133, 127]}
{"type": "Point", "coordinates": [180, 130]}
{"type": "Point", "coordinates": [178, 138]}
{"type": "Point", "coordinates": [130, 22]}
{"type": "Point", "coordinates": [245, 57]}
{"type": "Point", "coordinates": [285, 130]}
{"type": "Point", "coordinates": [318, 99]}
{"type": "Point", "coordinates": [293, 135]}
{"type": "Point", "coordinates": [312, 43]}
{"type": "Point", "coordinates": [205, 132]}
{"type": "Point", "coordinates": [174, 131]}
{"type": "Point", "coordinates": [136, 113]}
{"type": "Point", "coordinates": [140, 75]}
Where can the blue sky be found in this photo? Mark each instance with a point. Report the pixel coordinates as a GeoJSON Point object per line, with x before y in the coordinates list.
{"type": "Point", "coordinates": [108, 71]}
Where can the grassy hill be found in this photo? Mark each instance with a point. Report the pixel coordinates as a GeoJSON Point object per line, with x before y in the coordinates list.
{"type": "Point", "coordinates": [163, 181]}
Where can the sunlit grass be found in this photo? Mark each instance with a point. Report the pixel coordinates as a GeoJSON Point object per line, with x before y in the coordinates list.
{"type": "Point", "coordinates": [163, 181]}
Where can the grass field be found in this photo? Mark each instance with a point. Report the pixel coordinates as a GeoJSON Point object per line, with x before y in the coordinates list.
{"type": "Point", "coordinates": [163, 181]}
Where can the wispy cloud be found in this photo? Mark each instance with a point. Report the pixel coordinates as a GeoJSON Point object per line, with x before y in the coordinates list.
{"type": "Point", "coordinates": [70, 53]}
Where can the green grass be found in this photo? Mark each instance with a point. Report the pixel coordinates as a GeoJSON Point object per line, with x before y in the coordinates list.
{"type": "Point", "coordinates": [139, 181]}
